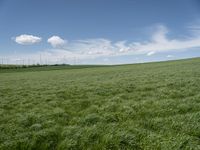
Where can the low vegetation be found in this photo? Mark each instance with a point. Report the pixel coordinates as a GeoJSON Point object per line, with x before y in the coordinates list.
{"type": "Point", "coordinates": [141, 106]}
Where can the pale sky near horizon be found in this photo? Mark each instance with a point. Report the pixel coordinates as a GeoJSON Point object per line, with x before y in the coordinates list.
{"type": "Point", "coordinates": [98, 31]}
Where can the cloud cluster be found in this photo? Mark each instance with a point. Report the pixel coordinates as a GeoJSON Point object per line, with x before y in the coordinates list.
{"type": "Point", "coordinates": [158, 43]}
{"type": "Point", "coordinates": [25, 39]}
{"type": "Point", "coordinates": [94, 48]}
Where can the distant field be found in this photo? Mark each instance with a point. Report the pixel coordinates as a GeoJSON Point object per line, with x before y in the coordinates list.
{"type": "Point", "coordinates": [148, 106]}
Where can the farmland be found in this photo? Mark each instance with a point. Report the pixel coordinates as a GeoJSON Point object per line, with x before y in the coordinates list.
{"type": "Point", "coordinates": [139, 106]}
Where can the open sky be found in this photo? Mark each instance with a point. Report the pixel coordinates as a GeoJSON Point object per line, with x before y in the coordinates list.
{"type": "Point", "coordinates": [98, 31]}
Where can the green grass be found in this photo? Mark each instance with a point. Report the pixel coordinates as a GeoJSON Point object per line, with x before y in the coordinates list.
{"type": "Point", "coordinates": [148, 106]}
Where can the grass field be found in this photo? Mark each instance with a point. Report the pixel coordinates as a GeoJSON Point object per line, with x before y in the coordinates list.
{"type": "Point", "coordinates": [148, 106]}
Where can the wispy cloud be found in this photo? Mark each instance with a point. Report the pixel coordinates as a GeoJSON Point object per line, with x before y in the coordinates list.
{"type": "Point", "coordinates": [169, 56]}
{"type": "Point", "coordinates": [150, 53]}
{"type": "Point", "coordinates": [158, 43]}
{"type": "Point", "coordinates": [194, 27]}
{"type": "Point", "coordinates": [26, 39]}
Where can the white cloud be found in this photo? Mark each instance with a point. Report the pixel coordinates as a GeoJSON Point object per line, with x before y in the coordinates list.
{"type": "Point", "coordinates": [150, 53]}
{"type": "Point", "coordinates": [56, 41]}
{"type": "Point", "coordinates": [93, 47]}
{"type": "Point", "coordinates": [194, 27]}
{"type": "Point", "coordinates": [160, 34]}
{"type": "Point", "coordinates": [121, 46]}
{"type": "Point", "coordinates": [170, 56]}
{"type": "Point", "coordinates": [160, 43]}
{"type": "Point", "coordinates": [26, 39]}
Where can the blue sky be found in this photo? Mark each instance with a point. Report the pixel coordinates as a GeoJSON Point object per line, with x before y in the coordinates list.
{"type": "Point", "coordinates": [98, 31]}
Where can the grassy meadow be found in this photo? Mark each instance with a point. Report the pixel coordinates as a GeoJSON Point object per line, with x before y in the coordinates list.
{"type": "Point", "coordinates": [150, 106]}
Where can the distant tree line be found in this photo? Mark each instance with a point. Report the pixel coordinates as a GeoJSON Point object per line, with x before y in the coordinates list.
{"type": "Point", "coordinates": [29, 66]}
